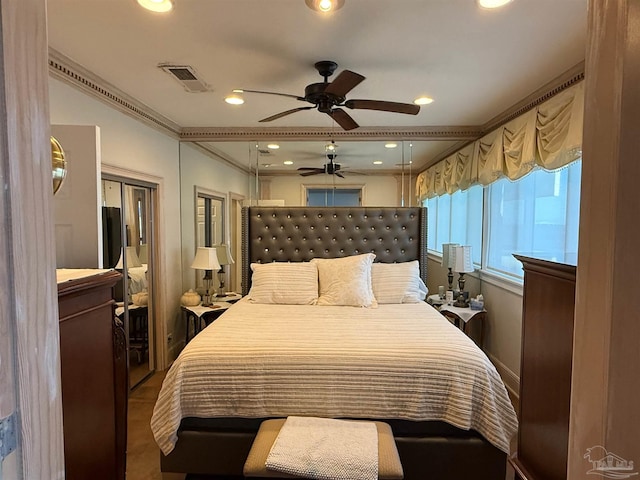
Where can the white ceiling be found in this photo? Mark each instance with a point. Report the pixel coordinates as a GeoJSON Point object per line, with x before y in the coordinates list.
{"type": "Point", "coordinates": [475, 63]}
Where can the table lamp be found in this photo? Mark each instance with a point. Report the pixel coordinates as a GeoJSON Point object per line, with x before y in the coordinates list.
{"type": "Point", "coordinates": [462, 264]}
{"type": "Point", "coordinates": [448, 259]}
{"type": "Point", "coordinates": [131, 259]}
{"type": "Point", "coordinates": [224, 258]}
{"type": "Point", "coordinates": [206, 259]}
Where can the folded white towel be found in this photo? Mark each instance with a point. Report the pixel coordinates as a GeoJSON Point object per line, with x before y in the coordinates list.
{"type": "Point", "coordinates": [324, 448]}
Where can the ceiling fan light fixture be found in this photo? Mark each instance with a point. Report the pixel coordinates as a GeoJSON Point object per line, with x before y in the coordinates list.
{"type": "Point", "coordinates": [324, 6]}
{"type": "Point", "coordinates": [493, 3]}
{"type": "Point", "coordinates": [234, 99]}
{"type": "Point", "coordinates": [158, 6]}
{"type": "Point", "coordinates": [423, 100]}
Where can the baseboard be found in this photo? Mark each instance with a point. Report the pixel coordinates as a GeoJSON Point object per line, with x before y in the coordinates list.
{"type": "Point", "coordinates": [510, 379]}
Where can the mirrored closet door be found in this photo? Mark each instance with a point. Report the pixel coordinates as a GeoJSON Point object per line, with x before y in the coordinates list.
{"type": "Point", "coordinates": [127, 210]}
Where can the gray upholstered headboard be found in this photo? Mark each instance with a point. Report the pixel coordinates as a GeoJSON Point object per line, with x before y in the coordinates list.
{"type": "Point", "coordinates": [298, 234]}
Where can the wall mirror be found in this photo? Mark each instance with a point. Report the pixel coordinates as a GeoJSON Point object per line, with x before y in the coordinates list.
{"type": "Point", "coordinates": [128, 247]}
{"type": "Point", "coordinates": [210, 231]}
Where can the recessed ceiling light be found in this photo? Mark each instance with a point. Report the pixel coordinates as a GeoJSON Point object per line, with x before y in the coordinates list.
{"type": "Point", "coordinates": [160, 6]}
{"type": "Point", "coordinates": [493, 3]}
{"type": "Point", "coordinates": [288, 162]}
{"type": "Point", "coordinates": [234, 99]}
{"type": "Point", "coordinates": [377, 162]}
{"type": "Point", "coordinates": [324, 6]}
{"type": "Point", "coordinates": [266, 165]}
{"type": "Point", "coordinates": [423, 100]}
{"type": "Point", "coordinates": [390, 145]}
{"type": "Point", "coordinates": [273, 146]}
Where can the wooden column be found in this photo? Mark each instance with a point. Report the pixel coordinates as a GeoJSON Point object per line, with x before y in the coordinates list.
{"type": "Point", "coordinates": [606, 361]}
{"type": "Point", "coordinates": [29, 346]}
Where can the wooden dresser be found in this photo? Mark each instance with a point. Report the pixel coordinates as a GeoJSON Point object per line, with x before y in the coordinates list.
{"type": "Point", "coordinates": [545, 370]}
{"type": "Point", "coordinates": [94, 376]}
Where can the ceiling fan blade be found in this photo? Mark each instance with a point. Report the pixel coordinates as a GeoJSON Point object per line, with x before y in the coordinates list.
{"type": "Point", "coordinates": [282, 114]}
{"type": "Point", "coordinates": [343, 83]}
{"type": "Point", "coordinates": [272, 93]}
{"type": "Point", "coordinates": [307, 174]}
{"type": "Point", "coordinates": [408, 108]}
{"type": "Point", "coordinates": [312, 168]}
{"type": "Point", "coordinates": [343, 119]}
{"type": "Point", "coordinates": [339, 174]}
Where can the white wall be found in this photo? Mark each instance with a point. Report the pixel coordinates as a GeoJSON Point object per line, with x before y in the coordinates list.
{"type": "Point", "coordinates": [78, 222]}
{"type": "Point", "coordinates": [200, 170]}
{"type": "Point", "coordinates": [143, 152]}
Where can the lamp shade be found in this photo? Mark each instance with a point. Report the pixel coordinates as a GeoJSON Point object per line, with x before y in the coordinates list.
{"type": "Point", "coordinates": [462, 262]}
{"type": "Point", "coordinates": [448, 254]}
{"type": "Point", "coordinates": [224, 254]}
{"type": "Point", "coordinates": [206, 259]}
{"type": "Point", "coordinates": [132, 259]}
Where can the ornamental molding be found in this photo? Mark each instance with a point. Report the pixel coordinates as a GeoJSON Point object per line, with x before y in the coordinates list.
{"type": "Point", "coordinates": [66, 70]}
{"type": "Point", "coordinates": [232, 134]}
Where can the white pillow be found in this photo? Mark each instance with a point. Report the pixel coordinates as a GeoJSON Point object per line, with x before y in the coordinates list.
{"type": "Point", "coordinates": [346, 281]}
{"type": "Point", "coordinates": [284, 283]}
{"type": "Point", "coordinates": [398, 282]}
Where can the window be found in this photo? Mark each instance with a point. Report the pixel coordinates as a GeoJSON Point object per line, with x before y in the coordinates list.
{"type": "Point", "coordinates": [333, 197]}
{"type": "Point", "coordinates": [456, 218]}
{"type": "Point", "coordinates": [536, 216]}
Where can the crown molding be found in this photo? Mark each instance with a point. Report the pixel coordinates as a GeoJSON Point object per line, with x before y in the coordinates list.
{"type": "Point", "coordinates": [66, 70]}
{"type": "Point", "coordinates": [544, 93]}
{"type": "Point", "coordinates": [220, 156]}
{"type": "Point", "coordinates": [232, 134]}
{"type": "Point", "coordinates": [63, 68]}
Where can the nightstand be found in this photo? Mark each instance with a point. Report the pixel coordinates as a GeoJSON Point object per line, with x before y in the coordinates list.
{"type": "Point", "coordinates": [195, 315]}
{"type": "Point", "coordinates": [462, 318]}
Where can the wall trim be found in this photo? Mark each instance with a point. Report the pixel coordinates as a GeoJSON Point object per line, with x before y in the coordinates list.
{"type": "Point", "coordinates": [63, 68]}
{"type": "Point", "coordinates": [510, 379]}
{"type": "Point", "coordinates": [234, 134]}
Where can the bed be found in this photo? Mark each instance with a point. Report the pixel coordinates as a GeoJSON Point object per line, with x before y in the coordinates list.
{"type": "Point", "coordinates": [286, 353]}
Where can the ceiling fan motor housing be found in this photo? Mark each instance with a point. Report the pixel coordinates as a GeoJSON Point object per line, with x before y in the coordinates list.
{"type": "Point", "coordinates": [315, 93]}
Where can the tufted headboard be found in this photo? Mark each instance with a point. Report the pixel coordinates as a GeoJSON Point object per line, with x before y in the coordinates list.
{"type": "Point", "coordinates": [297, 234]}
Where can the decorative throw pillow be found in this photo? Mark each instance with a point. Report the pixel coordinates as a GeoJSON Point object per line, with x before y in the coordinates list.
{"type": "Point", "coordinates": [346, 280]}
{"type": "Point", "coordinates": [398, 282]}
{"type": "Point", "coordinates": [284, 283]}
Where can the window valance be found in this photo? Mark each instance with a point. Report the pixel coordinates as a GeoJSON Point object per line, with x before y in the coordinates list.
{"type": "Point", "coordinates": [549, 136]}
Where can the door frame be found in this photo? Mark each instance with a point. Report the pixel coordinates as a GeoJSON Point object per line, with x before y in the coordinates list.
{"type": "Point", "coordinates": [160, 357]}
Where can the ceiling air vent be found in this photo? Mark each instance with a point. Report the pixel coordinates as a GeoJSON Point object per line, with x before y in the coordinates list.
{"type": "Point", "coordinates": [187, 77]}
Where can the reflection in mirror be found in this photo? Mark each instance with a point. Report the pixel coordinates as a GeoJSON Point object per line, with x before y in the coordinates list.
{"type": "Point", "coordinates": [127, 246]}
{"type": "Point", "coordinates": [210, 231]}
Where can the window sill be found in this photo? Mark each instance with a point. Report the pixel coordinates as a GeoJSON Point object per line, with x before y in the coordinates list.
{"type": "Point", "coordinates": [501, 281]}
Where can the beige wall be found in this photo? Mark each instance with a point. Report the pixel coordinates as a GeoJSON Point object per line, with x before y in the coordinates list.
{"type": "Point", "coordinates": [378, 190]}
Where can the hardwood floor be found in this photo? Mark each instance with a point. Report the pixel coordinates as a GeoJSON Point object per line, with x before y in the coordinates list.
{"type": "Point", "coordinates": [143, 455]}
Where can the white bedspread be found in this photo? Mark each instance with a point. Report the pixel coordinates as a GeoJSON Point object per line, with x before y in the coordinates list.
{"type": "Point", "coordinates": [393, 362]}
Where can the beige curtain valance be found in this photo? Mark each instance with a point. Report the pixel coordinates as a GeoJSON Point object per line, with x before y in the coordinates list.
{"type": "Point", "coordinates": [548, 136]}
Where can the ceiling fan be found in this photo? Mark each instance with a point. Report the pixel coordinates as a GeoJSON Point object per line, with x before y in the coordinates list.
{"type": "Point", "coordinates": [331, 168]}
{"type": "Point", "coordinates": [327, 97]}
